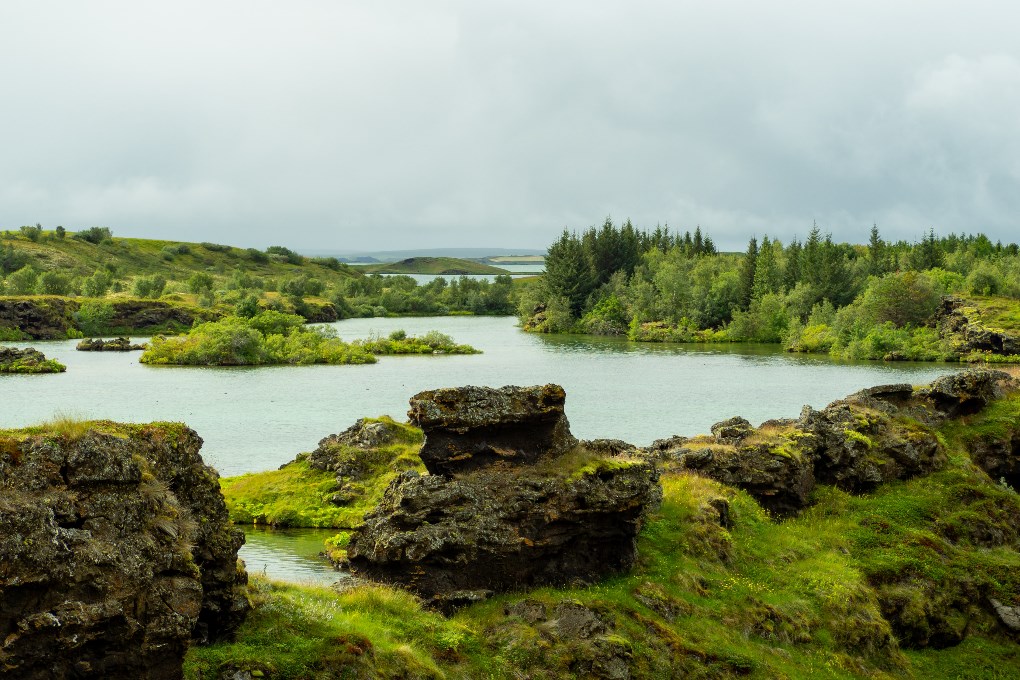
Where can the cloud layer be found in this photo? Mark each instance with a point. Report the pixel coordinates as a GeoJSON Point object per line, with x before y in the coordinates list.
{"type": "Point", "coordinates": [372, 125]}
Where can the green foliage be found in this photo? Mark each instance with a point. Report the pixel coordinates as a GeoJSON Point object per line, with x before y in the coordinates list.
{"type": "Point", "coordinates": [272, 337]}
{"type": "Point", "coordinates": [11, 259]}
{"type": "Point", "coordinates": [53, 283]}
{"type": "Point", "coordinates": [32, 233]}
{"type": "Point", "coordinates": [200, 282]}
{"type": "Point", "coordinates": [93, 317]}
{"type": "Point", "coordinates": [23, 281]}
{"type": "Point", "coordinates": [149, 286]}
{"type": "Point", "coordinates": [285, 254]}
{"type": "Point", "coordinates": [98, 284]}
{"type": "Point", "coordinates": [94, 235]}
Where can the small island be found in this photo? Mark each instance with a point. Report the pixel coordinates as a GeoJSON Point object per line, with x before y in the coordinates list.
{"type": "Point", "coordinates": [450, 266]}
{"type": "Point", "coordinates": [28, 360]}
{"type": "Point", "coordinates": [274, 338]}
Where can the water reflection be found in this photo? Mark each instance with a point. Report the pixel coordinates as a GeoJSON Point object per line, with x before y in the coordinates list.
{"type": "Point", "coordinates": [289, 555]}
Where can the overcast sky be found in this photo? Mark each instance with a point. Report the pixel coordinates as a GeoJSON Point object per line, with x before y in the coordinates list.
{"type": "Point", "coordinates": [383, 125]}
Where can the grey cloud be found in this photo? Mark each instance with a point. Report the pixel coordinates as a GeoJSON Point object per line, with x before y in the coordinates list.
{"type": "Point", "coordinates": [367, 125]}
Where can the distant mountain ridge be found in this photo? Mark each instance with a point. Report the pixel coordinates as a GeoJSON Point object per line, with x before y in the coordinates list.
{"type": "Point", "coordinates": [397, 255]}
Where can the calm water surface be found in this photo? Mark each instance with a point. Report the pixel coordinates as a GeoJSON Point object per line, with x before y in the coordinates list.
{"type": "Point", "coordinates": [259, 418]}
{"type": "Point", "coordinates": [289, 555]}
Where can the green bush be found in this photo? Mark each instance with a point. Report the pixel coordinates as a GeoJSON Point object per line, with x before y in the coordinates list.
{"type": "Point", "coordinates": [94, 235]}
{"type": "Point", "coordinates": [149, 286]}
{"type": "Point", "coordinates": [53, 283]}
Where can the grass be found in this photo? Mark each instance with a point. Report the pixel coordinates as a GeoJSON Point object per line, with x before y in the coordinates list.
{"type": "Point", "coordinates": [856, 586]}
{"type": "Point", "coordinates": [298, 495]}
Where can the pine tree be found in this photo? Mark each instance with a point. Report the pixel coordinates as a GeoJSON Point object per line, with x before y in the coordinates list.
{"type": "Point", "coordinates": [568, 272]}
{"type": "Point", "coordinates": [747, 270]}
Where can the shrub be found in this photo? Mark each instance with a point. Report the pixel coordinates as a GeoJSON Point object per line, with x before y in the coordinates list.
{"type": "Point", "coordinates": [95, 235]}
{"type": "Point", "coordinates": [199, 282]}
{"type": "Point", "coordinates": [97, 284]}
{"type": "Point", "coordinates": [32, 233]}
{"type": "Point", "coordinates": [53, 283]}
{"type": "Point", "coordinates": [23, 281]}
{"type": "Point", "coordinates": [149, 286]}
{"type": "Point", "coordinates": [286, 253]}
{"type": "Point", "coordinates": [215, 247]}
{"type": "Point", "coordinates": [93, 317]}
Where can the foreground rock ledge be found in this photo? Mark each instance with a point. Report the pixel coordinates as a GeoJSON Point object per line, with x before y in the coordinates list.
{"type": "Point", "coordinates": [510, 505]}
{"type": "Point", "coordinates": [115, 552]}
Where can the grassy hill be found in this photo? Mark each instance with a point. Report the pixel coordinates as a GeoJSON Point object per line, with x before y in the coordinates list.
{"type": "Point", "coordinates": [452, 266]}
{"type": "Point", "coordinates": [171, 259]}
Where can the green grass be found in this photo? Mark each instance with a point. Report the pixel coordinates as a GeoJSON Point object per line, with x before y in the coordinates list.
{"type": "Point", "coordinates": [995, 313]}
{"type": "Point", "coordinates": [298, 495]}
{"type": "Point", "coordinates": [853, 587]}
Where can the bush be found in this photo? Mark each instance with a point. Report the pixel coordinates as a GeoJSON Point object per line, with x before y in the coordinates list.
{"type": "Point", "coordinates": [32, 233]}
{"type": "Point", "coordinates": [93, 317]}
{"type": "Point", "coordinates": [97, 284]}
{"type": "Point", "coordinates": [95, 235]}
{"type": "Point", "coordinates": [53, 283]}
{"type": "Point", "coordinates": [287, 254]}
{"type": "Point", "coordinates": [149, 286]}
{"type": "Point", "coordinates": [23, 281]}
{"type": "Point", "coordinates": [215, 247]}
{"type": "Point", "coordinates": [11, 260]}
{"type": "Point", "coordinates": [200, 282]}
{"type": "Point", "coordinates": [256, 255]}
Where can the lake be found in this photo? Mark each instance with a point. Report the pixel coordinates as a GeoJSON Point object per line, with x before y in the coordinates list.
{"type": "Point", "coordinates": [259, 418]}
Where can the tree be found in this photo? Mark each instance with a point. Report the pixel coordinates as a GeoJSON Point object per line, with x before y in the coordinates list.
{"type": "Point", "coordinates": [32, 233]}
{"type": "Point", "coordinates": [61, 232]}
{"type": "Point", "coordinates": [568, 273]}
{"type": "Point", "coordinates": [878, 257]}
{"type": "Point", "coordinates": [95, 235]}
{"type": "Point", "coordinates": [767, 277]}
{"type": "Point", "coordinates": [927, 254]}
{"type": "Point", "coordinates": [747, 270]}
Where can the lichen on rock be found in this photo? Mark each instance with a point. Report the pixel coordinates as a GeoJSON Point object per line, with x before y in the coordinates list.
{"type": "Point", "coordinates": [508, 505]}
{"type": "Point", "coordinates": [115, 551]}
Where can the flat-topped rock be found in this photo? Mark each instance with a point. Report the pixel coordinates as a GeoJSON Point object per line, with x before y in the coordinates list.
{"type": "Point", "coordinates": [471, 427]}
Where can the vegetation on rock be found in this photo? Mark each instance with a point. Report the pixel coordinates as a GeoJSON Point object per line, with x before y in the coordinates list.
{"type": "Point", "coordinates": [275, 338]}
{"type": "Point", "coordinates": [897, 579]}
{"type": "Point", "coordinates": [432, 265]}
{"type": "Point", "coordinates": [28, 360]}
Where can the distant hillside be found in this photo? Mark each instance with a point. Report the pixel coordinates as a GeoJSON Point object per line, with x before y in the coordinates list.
{"type": "Point", "coordinates": [174, 260]}
{"type": "Point", "coordinates": [397, 255]}
{"type": "Point", "coordinates": [432, 265]}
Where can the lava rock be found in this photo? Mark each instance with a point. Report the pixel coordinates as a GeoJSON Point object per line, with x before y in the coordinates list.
{"type": "Point", "coordinates": [115, 345]}
{"type": "Point", "coordinates": [27, 360]}
{"type": "Point", "coordinates": [115, 553]}
{"type": "Point", "coordinates": [467, 428]}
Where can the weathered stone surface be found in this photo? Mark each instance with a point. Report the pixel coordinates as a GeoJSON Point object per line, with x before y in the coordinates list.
{"type": "Point", "coordinates": [27, 360]}
{"type": "Point", "coordinates": [499, 531]}
{"type": "Point", "coordinates": [732, 431]}
{"type": "Point", "coordinates": [781, 479]}
{"type": "Point", "coordinates": [363, 435]}
{"type": "Point", "coordinates": [493, 527]}
{"type": "Point", "coordinates": [1008, 616]}
{"type": "Point", "coordinates": [100, 345]}
{"type": "Point", "coordinates": [967, 335]}
{"type": "Point", "coordinates": [965, 392]}
{"type": "Point", "coordinates": [115, 552]}
{"type": "Point", "coordinates": [471, 427]}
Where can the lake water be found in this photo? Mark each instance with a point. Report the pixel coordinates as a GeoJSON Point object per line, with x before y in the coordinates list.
{"type": "Point", "coordinates": [259, 418]}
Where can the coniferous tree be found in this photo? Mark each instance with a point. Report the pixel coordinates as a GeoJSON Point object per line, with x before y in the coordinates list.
{"type": "Point", "coordinates": [878, 257]}
{"type": "Point", "coordinates": [766, 271]}
{"type": "Point", "coordinates": [568, 272]}
{"type": "Point", "coordinates": [791, 270]}
{"type": "Point", "coordinates": [747, 270]}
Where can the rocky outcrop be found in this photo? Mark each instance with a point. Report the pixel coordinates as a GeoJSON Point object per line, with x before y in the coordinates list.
{"type": "Point", "coordinates": [956, 319]}
{"type": "Point", "coordinates": [27, 360]}
{"type": "Point", "coordinates": [121, 344]}
{"type": "Point", "coordinates": [509, 504]}
{"type": "Point", "coordinates": [870, 437]}
{"type": "Point", "coordinates": [50, 317]}
{"type": "Point", "coordinates": [115, 552]}
{"type": "Point", "coordinates": [472, 427]}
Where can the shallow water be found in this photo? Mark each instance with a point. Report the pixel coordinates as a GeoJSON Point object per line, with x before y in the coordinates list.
{"type": "Point", "coordinates": [289, 555]}
{"type": "Point", "coordinates": [259, 418]}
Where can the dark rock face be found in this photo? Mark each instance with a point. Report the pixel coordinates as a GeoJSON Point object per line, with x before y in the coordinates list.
{"type": "Point", "coordinates": [472, 427]}
{"type": "Point", "coordinates": [115, 552]}
{"type": "Point", "coordinates": [38, 318]}
{"type": "Point", "coordinates": [363, 435]}
{"type": "Point", "coordinates": [964, 393]}
{"type": "Point", "coordinates": [100, 345]}
{"type": "Point", "coordinates": [485, 527]}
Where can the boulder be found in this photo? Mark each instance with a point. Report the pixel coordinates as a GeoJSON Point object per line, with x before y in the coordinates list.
{"type": "Point", "coordinates": [115, 552]}
{"type": "Point", "coordinates": [519, 512]}
{"type": "Point", "coordinates": [115, 345]}
{"type": "Point", "coordinates": [966, 392]}
{"type": "Point", "coordinates": [732, 431]}
{"type": "Point", "coordinates": [471, 427]}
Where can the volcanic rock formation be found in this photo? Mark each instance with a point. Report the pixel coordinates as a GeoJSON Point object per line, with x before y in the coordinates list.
{"type": "Point", "coordinates": [512, 501]}
{"type": "Point", "coordinates": [115, 552]}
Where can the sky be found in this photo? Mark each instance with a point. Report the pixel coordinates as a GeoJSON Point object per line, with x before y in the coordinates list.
{"type": "Point", "coordinates": [392, 124]}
